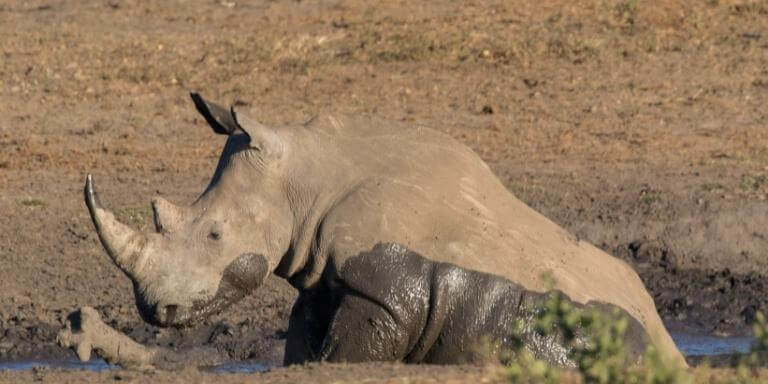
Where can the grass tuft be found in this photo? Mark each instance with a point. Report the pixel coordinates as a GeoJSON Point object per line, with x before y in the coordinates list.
{"type": "Point", "coordinates": [754, 183]}
{"type": "Point", "coordinates": [32, 202]}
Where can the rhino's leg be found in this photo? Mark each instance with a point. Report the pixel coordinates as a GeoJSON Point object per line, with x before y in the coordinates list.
{"type": "Point", "coordinates": [363, 330]}
{"type": "Point", "coordinates": [381, 302]}
{"type": "Point", "coordinates": [341, 326]}
{"type": "Point", "coordinates": [297, 341]}
{"type": "Point", "coordinates": [85, 332]}
{"type": "Point", "coordinates": [308, 325]}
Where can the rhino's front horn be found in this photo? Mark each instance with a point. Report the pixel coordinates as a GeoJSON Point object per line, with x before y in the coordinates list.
{"type": "Point", "coordinates": [123, 244]}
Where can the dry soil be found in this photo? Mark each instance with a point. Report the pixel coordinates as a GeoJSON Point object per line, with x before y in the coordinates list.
{"type": "Point", "coordinates": [641, 127]}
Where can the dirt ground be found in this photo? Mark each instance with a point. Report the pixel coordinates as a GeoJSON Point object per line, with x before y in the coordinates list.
{"type": "Point", "coordinates": [641, 127]}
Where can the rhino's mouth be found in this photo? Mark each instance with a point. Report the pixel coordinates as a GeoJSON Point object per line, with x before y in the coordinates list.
{"type": "Point", "coordinates": [240, 278]}
{"type": "Point", "coordinates": [180, 316]}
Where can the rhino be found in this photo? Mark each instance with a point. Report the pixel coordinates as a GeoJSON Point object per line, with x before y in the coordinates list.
{"type": "Point", "coordinates": [401, 241]}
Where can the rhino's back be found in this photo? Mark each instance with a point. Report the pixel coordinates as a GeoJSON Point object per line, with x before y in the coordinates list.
{"type": "Point", "coordinates": [431, 193]}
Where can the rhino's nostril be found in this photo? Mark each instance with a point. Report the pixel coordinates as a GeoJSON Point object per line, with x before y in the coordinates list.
{"type": "Point", "coordinates": [170, 313]}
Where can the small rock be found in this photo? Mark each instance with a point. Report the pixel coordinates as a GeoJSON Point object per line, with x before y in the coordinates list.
{"type": "Point", "coordinates": [530, 83]}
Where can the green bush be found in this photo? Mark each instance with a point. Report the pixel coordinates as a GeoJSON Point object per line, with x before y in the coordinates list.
{"type": "Point", "coordinates": [747, 365]}
{"type": "Point", "coordinates": [595, 341]}
{"type": "Point", "coordinates": [600, 357]}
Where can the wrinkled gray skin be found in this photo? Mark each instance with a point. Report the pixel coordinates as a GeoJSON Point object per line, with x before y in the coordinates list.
{"type": "Point", "coordinates": [310, 203]}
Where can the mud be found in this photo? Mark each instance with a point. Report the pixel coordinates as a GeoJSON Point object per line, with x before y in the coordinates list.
{"type": "Point", "coordinates": [639, 127]}
{"type": "Point", "coordinates": [26, 339]}
{"type": "Point", "coordinates": [710, 301]}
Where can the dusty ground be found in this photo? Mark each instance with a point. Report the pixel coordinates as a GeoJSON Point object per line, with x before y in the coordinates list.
{"type": "Point", "coordinates": [330, 373]}
{"type": "Point", "coordinates": [640, 126]}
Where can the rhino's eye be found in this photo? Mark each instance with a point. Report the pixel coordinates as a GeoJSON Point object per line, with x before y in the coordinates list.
{"type": "Point", "coordinates": [214, 235]}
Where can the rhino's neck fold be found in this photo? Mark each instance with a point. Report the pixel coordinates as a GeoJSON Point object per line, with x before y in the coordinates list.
{"type": "Point", "coordinates": [303, 264]}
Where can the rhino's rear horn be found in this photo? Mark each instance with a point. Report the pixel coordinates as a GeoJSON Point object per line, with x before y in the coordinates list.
{"type": "Point", "coordinates": [166, 215]}
{"type": "Point", "coordinates": [219, 118]}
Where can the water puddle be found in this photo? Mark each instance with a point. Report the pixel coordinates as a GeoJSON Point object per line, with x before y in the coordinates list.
{"type": "Point", "coordinates": [237, 367]}
{"type": "Point", "coordinates": [705, 345]}
{"type": "Point", "coordinates": [99, 365]}
{"type": "Point", "coordinates": [688, 343]}
{"type": "Point", "coordinates": [95, 365]}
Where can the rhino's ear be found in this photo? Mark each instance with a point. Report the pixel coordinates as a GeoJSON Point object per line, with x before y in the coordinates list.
{"type": "Point", "coordinates": [220, 119]}
{"type": "Point", "coordinates": [263, 138]}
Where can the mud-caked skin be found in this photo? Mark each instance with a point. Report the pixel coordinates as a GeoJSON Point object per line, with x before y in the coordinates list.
{"type": "Point", "coordinates": [391, 304]}
{"type": "Point", "coordinates": [310, 202]}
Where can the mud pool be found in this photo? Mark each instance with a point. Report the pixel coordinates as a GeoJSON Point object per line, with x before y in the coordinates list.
{"type": "Point", "coordinates": [99, 365]}
{"type": "Point", "coordinates": [690, 344]}
{"type": "Point", "coordinates": [705, 345]}
{"type": "Point", "coordinates": [96, 365]}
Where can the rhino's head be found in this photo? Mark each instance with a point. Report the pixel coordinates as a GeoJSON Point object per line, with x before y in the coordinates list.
{"type": "Point", "coordinates": [203, 257]}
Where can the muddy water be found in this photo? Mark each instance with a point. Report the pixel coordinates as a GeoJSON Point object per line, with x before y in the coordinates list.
{"type": "Point", "coordinates": [690, 344]}
{"type": "Point", "coordinates": [96, 365]}
{"type": "Point", "coordinates": [238, 367]}
{"type": "Point", "coordinates": [99, 365]}
{"type": "Point", "coordinates": [705, 345]}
